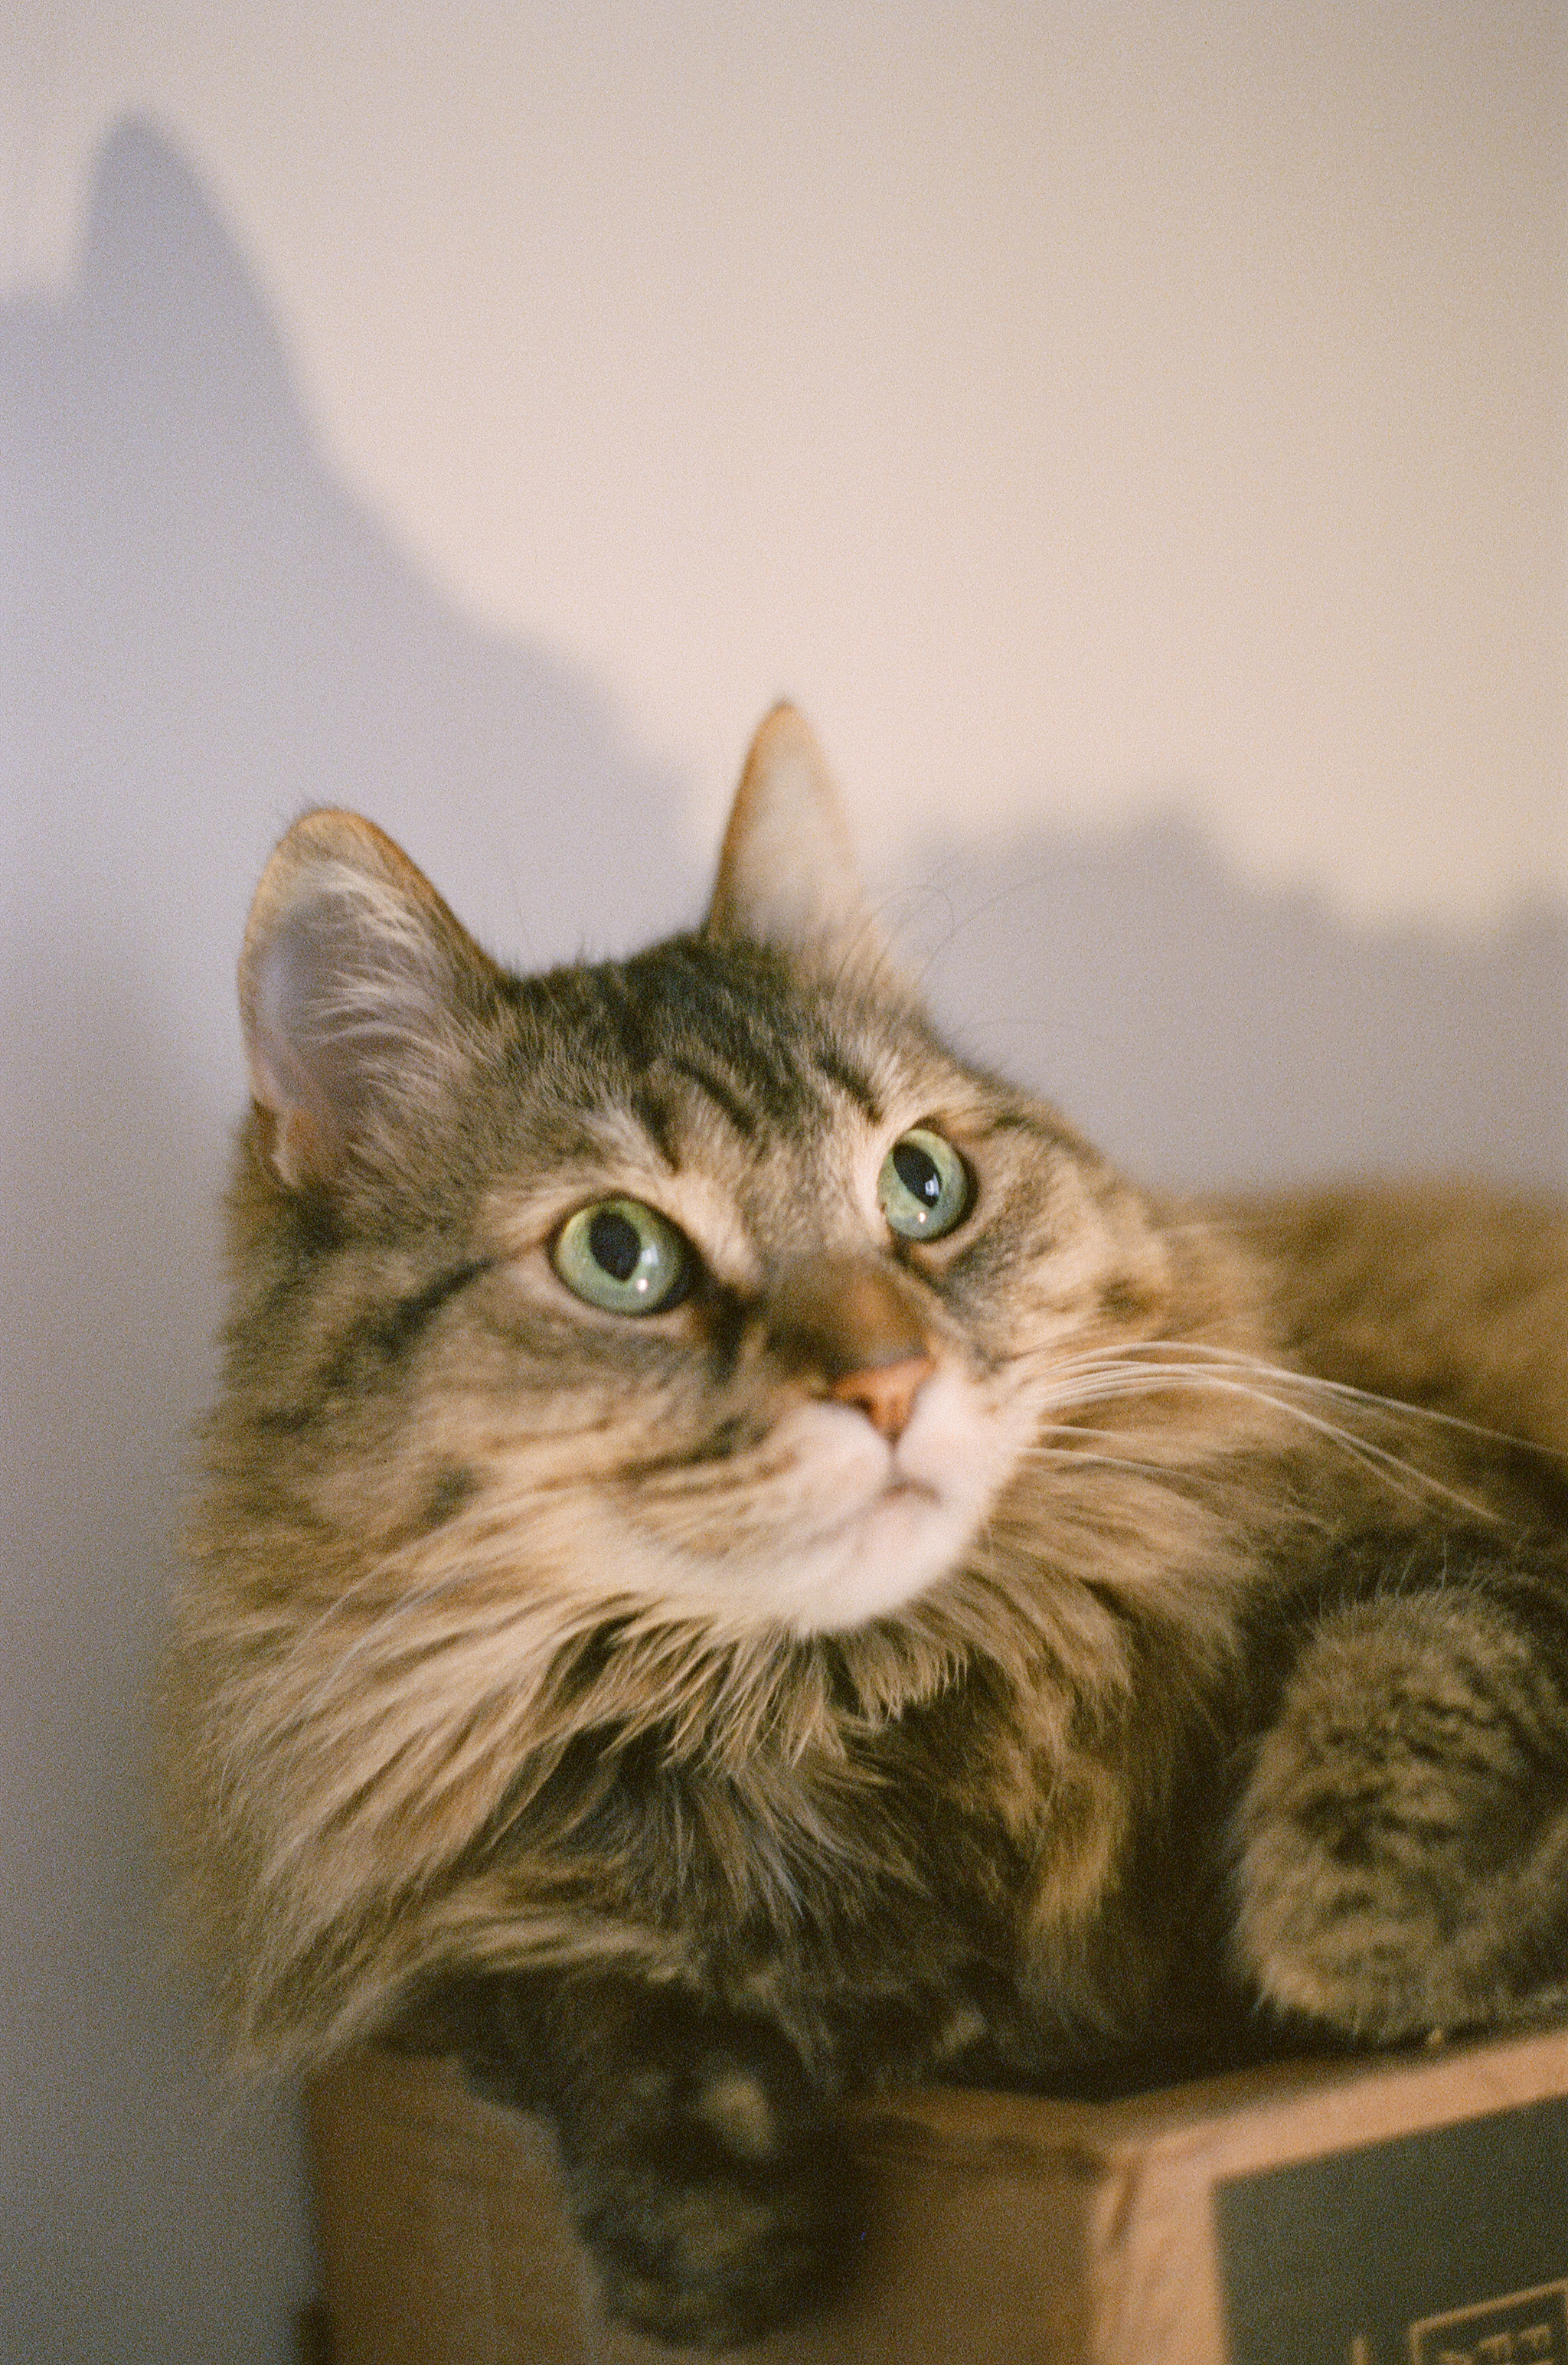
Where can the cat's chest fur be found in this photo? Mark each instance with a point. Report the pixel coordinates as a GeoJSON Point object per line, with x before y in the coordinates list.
{"type": "Point", "coordinates": [888, 1892]}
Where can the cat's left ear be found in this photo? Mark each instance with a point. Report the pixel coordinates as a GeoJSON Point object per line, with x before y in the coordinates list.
{"type": "Point", "coordinates": [786, 871]}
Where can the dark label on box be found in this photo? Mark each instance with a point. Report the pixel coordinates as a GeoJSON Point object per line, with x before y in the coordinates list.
{"type": "Point", "coordinates": [1504, 2332]}
{"type": "Point", "coordinates": [1445, 2249]}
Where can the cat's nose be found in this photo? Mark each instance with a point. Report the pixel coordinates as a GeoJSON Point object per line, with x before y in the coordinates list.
{"type": "Point", "coordinates": [849, 1320]}
{"type": "Point", "coordinates": [885, 1393]}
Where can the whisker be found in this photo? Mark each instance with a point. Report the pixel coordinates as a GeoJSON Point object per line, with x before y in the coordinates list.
{"type": "Point", "coordinates": [1043, 1450]}
{"type": "Point", "coordinates": [1105, 1382]}
{"type": "Point", "coordinates": [1093, 1358]}
{"type": "Point", "coordinates": [301, 1642]}
{"type": "Point", "coordinates": [372, 1635]}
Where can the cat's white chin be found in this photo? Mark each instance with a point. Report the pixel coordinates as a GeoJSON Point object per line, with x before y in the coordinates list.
{"type": "Point", "coordinates": [842, 1529]}
{"type": "Point", "coordinates": [882, 1558]}
{"type": "Point", "coordinates": [879, 1525]}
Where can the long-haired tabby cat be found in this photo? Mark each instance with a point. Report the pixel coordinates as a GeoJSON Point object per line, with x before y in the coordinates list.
{"type": "Point", "coordinates": [740, 1558]}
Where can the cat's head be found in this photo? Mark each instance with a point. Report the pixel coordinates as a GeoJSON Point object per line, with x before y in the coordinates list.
{"type": "Point", "coordinates": [708, 1284]}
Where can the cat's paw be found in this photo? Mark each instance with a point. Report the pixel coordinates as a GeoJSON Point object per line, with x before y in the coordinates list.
{"type": "Point", "coordinates": [1403, 1859]}
{"type": "Point", "coordinates": [723, 2213]}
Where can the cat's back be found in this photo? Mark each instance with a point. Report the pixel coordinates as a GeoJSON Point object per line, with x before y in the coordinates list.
{"type": "Point", "coordinates": [1450, 1298]}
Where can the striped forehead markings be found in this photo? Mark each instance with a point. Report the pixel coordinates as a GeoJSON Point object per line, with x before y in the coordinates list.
{"type": "Point", "coordinates": [734, 1031]}
{"type": "Point", "coordinates": [719, 1090]}
{"type": "Point", "coordinates": [849, 1081]}
{"type": "Point", "coordinates": [797, 1090]}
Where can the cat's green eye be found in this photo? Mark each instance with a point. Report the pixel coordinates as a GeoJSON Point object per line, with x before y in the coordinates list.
{"type": "Point", "coordinates": [924, 1186]}
{"type": "Point", "coordinates": [621, 1255]}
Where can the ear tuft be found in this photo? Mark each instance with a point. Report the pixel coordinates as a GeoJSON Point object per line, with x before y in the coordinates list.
{"type": "Point", "coordinates": [351, 994]}
{"type": "Point", "coordinates": [786, 871]}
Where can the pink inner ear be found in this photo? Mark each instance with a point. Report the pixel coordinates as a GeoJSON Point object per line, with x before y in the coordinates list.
{"type": "Point", "coordinates": [346, 1015]}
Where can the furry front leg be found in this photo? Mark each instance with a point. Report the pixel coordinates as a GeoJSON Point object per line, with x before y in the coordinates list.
{"type": "Point", "coordinates": [1403, 1861]}
{"type": "Point", "coordinates": [702, 2175]}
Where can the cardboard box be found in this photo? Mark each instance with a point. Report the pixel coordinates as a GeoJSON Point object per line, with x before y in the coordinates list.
{"type": "Point", "coordinates": [1410, 2210]}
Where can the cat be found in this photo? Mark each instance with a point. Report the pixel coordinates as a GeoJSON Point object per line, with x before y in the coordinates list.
{"type": "Point", "coordinates": [740, 1561]}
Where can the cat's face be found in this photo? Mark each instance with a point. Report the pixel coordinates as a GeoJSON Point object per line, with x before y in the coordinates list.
{"type": "Point", "coordinates": [710, 1281]}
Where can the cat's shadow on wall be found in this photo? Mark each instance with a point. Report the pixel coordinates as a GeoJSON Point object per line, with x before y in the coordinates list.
{"type": "Point", "coordinates": [205, 633]}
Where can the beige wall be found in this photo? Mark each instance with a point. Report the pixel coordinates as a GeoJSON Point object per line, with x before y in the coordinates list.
{"type": "Point", "coordinates": [1130, 431]}
{"type": "Point", "coordinates": [1078, 406]}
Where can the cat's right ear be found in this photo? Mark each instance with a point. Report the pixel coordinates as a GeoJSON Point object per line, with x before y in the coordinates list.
{"type": "Point", "coordinates": [352, 994]}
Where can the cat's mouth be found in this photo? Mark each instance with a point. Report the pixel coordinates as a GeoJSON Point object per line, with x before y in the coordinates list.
{"type": "Point", "coordinates": [834, 1526]}
{"type": "Point", "coordinates": [898, 1492]}
{"type": "Point", "coordinates": [881, 1535]}
{"type": "Point", "coordinates": [872, 1562]}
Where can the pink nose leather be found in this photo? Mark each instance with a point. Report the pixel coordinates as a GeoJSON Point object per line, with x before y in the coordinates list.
{"type": "Point", "coordinates": [885, 1393]}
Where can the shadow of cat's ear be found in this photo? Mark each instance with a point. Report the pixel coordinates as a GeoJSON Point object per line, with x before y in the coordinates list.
{"type": "Point", "coordinates": [786, 870]}
{"type": "Point", "coordinates": [358, 990]}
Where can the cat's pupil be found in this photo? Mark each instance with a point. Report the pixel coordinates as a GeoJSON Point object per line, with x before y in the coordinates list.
{"type": "Point", "coordinates": [917, 1172]}
{"type": "Point", "coordinates": [615, 1244]}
